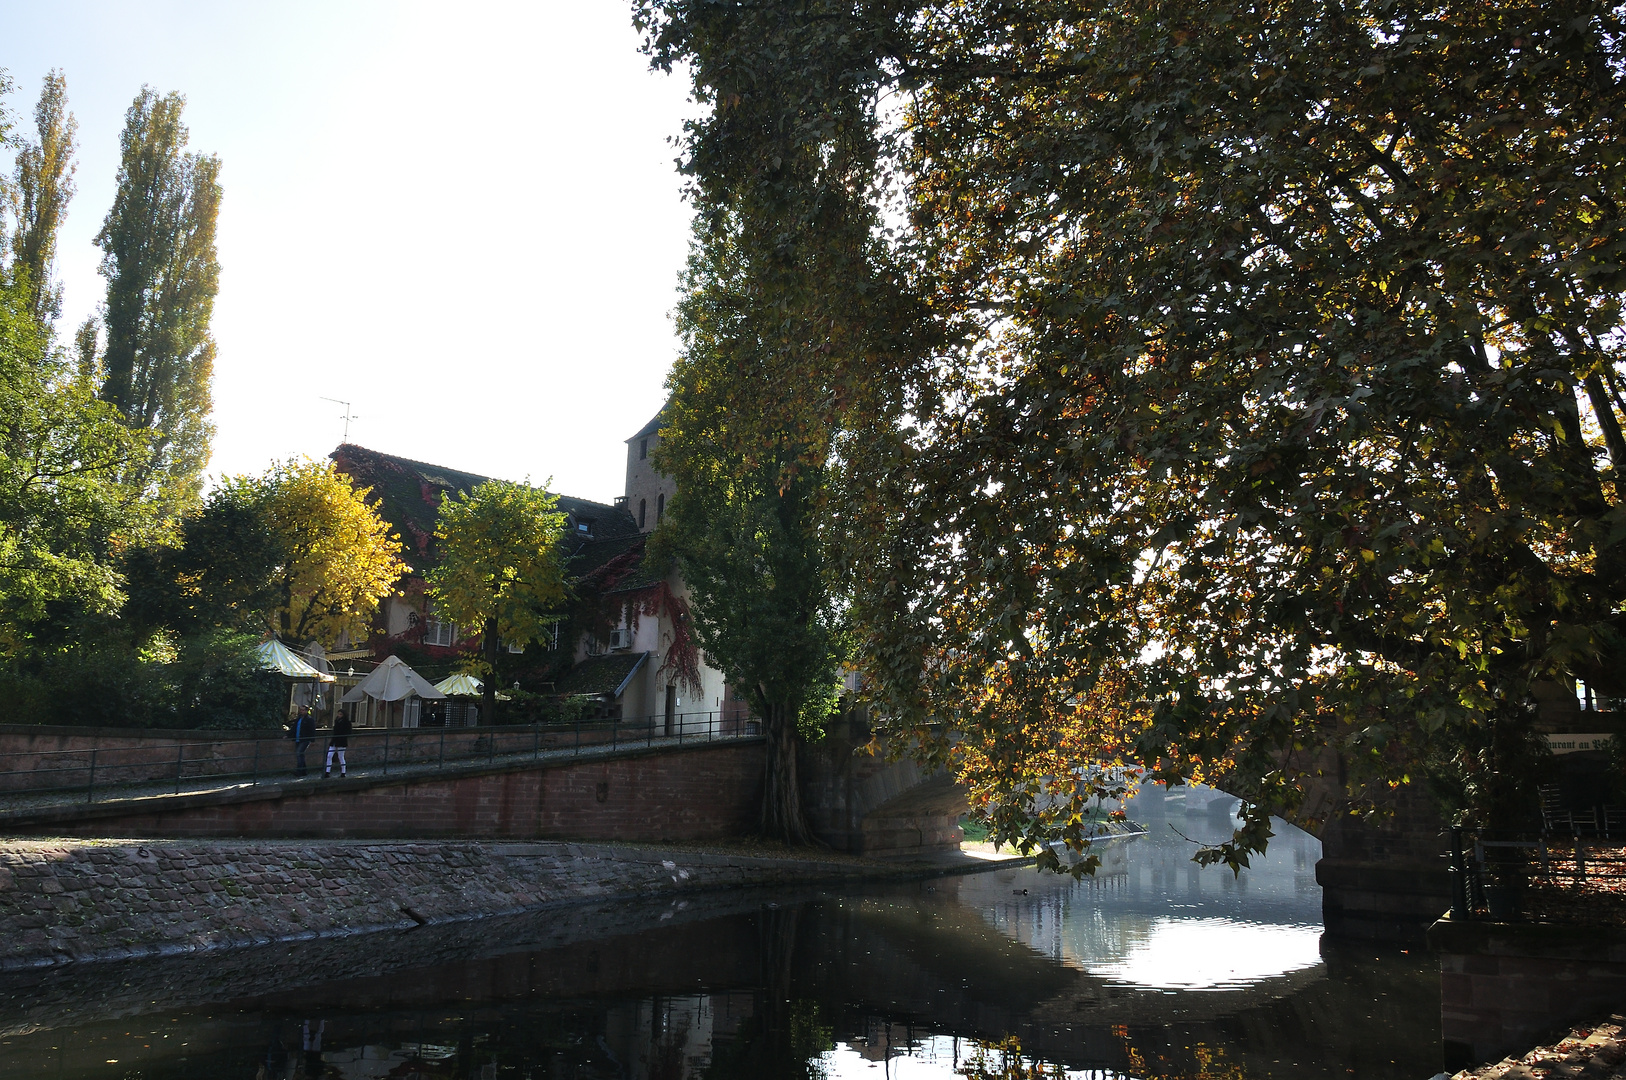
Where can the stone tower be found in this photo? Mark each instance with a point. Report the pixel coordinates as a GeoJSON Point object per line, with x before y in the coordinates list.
{"type": "Point", "coordinates": [647, 490]}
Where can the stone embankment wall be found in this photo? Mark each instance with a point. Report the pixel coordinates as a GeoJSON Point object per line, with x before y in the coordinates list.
{"type": "Point", "coordinates": [1597, 1053]}
{"type": "Point", "coordinates": [1505, 985]}
{"type": "Point", "coordinates": [62, 901]}
{"type": "Point", "coordinates": [623, 947]}
{"type": "Point", "coordinates": [34, 758]}
{"type": "Point", "coordinates": [708, 791]}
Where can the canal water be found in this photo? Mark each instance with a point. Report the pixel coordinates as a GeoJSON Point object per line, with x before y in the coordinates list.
{"type": "Point", "coordinates": [1154, 970]}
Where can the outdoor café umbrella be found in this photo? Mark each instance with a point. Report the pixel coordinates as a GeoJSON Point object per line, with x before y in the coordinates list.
{"type": "Point", "coordinates": [393, 681]}
{"type": "Point", "coordinates": [273, 655]}
{"type": "Point", "coordinates": [464, 686]}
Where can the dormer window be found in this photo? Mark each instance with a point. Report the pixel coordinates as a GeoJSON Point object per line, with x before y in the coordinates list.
{"type": "Point", "coordinates": [584, 526]}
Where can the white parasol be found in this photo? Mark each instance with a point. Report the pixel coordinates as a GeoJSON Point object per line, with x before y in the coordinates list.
{"type": "Point", "coordinates": [275, 656]}
{"type": "Point", "coordinates": [392, 681]}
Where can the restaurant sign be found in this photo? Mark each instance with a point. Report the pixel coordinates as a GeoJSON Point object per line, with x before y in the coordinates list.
{"type": "Point", "coordinates": [1573, 742]}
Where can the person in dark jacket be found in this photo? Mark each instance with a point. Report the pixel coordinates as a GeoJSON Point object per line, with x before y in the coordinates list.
{"type": "Point", "coordinates": [337, 744]}
{"type": "Point", "coordinates": [303, 732]}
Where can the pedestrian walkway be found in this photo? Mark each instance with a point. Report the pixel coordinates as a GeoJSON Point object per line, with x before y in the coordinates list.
{"type": "Point", "coordinates": [19, 803]}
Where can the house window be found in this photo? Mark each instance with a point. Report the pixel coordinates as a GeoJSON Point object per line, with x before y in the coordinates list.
{"type": "Point", "coordinates": [643, 511]}
{"type": "Point", "coordinates": [660, 506]}
{"type": "Point", "coordinates": [514, 646]}
{"type": "Point", "coordinates": [436, 632]}
{"type": "Point", "coordinates": [584, 525]}
{"type": "Point", "coordinates": [643, 449]}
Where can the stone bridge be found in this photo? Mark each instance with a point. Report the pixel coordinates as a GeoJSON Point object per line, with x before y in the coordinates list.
{"type": "Point", "coordinates": [857, 801]}
{"type": "Point", "coordinates": [1384, 878]}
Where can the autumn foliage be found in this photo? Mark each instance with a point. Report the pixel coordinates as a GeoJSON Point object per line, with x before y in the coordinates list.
{"type": "Point", "coordinates": [1207, 386]}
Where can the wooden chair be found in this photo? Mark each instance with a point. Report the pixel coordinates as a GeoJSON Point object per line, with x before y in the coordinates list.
{"type": "Point", "coordinates": [1614, 821]}
{"type": "Point", "coordinates": [1553, 813]}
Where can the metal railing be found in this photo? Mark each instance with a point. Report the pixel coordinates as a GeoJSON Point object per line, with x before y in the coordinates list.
{"type": "Point", "coordinates": [1511, 879]}
{"type": "Point", "coordinates": [134, 768]}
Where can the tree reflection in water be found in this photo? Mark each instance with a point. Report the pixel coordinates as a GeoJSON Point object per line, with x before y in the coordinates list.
{"type": "Point", "coordinates": [1004, 1060]}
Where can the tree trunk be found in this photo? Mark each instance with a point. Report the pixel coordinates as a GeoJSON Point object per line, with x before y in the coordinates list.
{"type": "Point", "coordinates": [782, 817]}
{"type": "Point", "coordinates": [488, 645]}
{"type": "Point", "coordinates": [283, 616]}
{"type": "Point", "coordinates": [779, 1054]}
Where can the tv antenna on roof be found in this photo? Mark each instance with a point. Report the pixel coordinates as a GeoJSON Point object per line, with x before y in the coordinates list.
{"type": "Point", "coordinates": [347, 417]}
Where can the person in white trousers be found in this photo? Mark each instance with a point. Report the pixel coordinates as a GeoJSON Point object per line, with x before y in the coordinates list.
{"type": "Point", "coordinates": [337, 743]}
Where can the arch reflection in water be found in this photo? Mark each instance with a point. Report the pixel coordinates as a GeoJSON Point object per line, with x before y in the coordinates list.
{"type": "Point", "coordinates": [1153, 919]}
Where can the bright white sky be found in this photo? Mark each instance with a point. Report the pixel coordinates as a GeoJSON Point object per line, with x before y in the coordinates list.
{"type": "Point", "coordinates": [463, 218]}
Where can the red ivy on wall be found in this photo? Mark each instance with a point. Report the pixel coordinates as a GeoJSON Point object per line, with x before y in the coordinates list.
{"type": "Point", "coordinates": [682, 660]}
{"type": "Point", "coordinates": [683, 656]}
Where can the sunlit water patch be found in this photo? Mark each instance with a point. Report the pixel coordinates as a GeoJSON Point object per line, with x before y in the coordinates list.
{"type": "Point", "coordinates": [1212, 954]}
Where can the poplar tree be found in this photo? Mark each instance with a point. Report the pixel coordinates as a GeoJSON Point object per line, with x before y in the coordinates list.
{"type": "Point", "coordinates": [44, 185]}
{"type": "Point", "coordinates": [748, 543]}
{"type": "Point", "coordinates": [158, 245]}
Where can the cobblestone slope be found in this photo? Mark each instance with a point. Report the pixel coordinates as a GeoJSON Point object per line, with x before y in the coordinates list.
{"type": "Point", "coordinates": [64, 901]}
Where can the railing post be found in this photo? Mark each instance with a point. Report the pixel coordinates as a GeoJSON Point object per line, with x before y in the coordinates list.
{"type": "Point", "coordinates": [615, 732]}
{"type": "Point", "coordinates": [536, 742]}
{"type": "Point", "coordinates": [1460, 911]}
{"type": "Point", "coordinates": [180, 753]}
{"type": "Point", "coordinates": [1580, 862]}
{"type": "Point", "coordinates": [1481, 876]}
{"type": "Point", "coordinates": [386, 751]}
{"type": "Point", "coordinates": [578, 738]}
{"type": "Point", "coordinates": [254, 779]}
{"type": "Point", "coordinates": [90, 789]}
{"type": "Point", "coordinates": [441, 762]}
{"type": "Point", "coordinates": [491, 745]}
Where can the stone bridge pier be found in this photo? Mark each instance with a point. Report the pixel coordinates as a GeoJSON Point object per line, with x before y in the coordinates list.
{"type": "Point", "coordinates": [857, 801]}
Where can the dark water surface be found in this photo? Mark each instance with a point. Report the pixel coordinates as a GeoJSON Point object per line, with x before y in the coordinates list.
{"type": "Point", "coordinates": [1155, 970]}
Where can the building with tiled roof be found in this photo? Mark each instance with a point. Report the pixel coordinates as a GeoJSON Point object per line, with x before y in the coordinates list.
{"type": "Point", "coordinates": [624, 648]}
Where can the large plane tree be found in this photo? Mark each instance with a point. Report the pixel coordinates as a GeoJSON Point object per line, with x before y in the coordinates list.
{"type": "Point", "coordinates": [1261, 389]}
